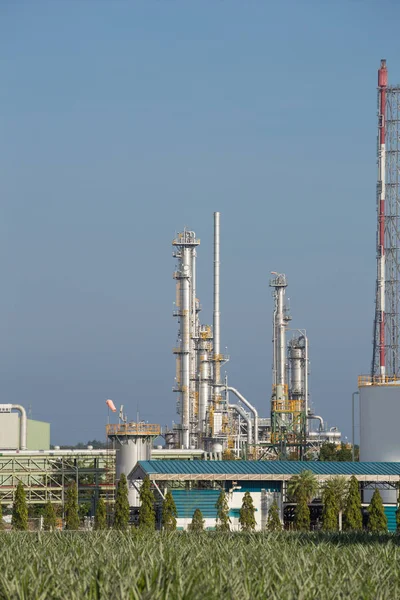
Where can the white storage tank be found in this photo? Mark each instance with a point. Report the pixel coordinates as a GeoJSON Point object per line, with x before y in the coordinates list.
{"type": "Point", "coordinates": [132, 442]}
{"type": "Point", "coordinates": [379, 428]}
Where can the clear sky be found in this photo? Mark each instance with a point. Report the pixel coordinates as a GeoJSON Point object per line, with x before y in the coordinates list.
{"type": "Point", "coordinates": [124, 121]}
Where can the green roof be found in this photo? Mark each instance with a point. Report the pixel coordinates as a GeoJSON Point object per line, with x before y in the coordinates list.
{"type": "Point", "coordinates": [266, 467]}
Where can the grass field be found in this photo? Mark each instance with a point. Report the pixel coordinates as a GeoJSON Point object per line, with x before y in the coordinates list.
{"type": "Point", "coordinates": [112, 565]}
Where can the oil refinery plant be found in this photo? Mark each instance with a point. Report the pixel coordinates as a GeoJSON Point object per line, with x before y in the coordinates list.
{"type": "Point", "coordinates": [208, 420]}
{"type": "Point", "coordinates": [216, 420]}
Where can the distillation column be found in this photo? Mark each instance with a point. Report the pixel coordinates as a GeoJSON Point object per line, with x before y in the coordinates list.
{"type": "Point", "coordinates": [280, 321]}
{"type": "Point", "coordinates": [185, 243]}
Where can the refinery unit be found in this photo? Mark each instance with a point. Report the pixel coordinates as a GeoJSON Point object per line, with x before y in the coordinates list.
{"type": "Point", "coordinates": [208, 419]}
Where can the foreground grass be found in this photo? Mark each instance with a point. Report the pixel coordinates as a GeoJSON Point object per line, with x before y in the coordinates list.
{"type": "Point", "coordinates": [112, 565]}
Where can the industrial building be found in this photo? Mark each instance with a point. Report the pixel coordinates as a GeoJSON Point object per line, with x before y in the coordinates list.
{"type": "Point", "coordinates": [197, 484]}
{"type": "Point", "coordinates": [17, 432]}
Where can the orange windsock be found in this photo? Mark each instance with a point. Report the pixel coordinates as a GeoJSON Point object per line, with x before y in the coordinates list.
{"type": "Point", "coordinates": [111, 405]}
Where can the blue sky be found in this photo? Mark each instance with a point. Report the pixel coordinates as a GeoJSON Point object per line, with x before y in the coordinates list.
{"type": "Point", "coordinates": [123, 122]}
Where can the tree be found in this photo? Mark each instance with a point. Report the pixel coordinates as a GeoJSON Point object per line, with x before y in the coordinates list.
{"type": "Point", "coordinates": [19, 519]}
{"type": "Point", "coordinates": [147, 513]}
{"type": "Point", "coordinates": [100, 518]}
{"type": "Point", "coordinates": [1, 518]}
{"type": "Point", "coordinates": [304, 484]}
{"type": "Point", "coordinates": [330, 511]}
{"type": "Point", "coordinates": [352, 516]}
{"type": "Point", "coordinates": [302, 513]}
{"type": "Point", "coordinates": [71, 509]}
{"type": "Point", "coordinates": [327, 452]}
{"type": "Point", "coordinates": [344, 454]}
{"type": "Point", "coordinates": [222, 507]}
{"type": "Point", "coordinates": [197, 523]}
{"type": "Point", "coordinates": [334, 500]}
{"type": "Point", "coordinates": [169, 513]}
{"type": "Point", "coordinates": [121, 510]}
{"type": "Point", "coordinates": [377, 522]}
{"type": "Point", "coordinates": [246, 517]}
{"type": "Point", "coordinates": [274, 522]}
{"type": "Point", "coordinates": [49, 517]}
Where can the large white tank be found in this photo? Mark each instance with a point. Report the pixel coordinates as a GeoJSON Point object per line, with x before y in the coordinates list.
{"type": "Point", "coordinates": [379, 428]}
{"type": "Point", "coordinates": [129, 450]}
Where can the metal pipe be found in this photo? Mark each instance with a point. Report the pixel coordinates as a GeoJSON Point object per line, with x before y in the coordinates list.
{"type": "Point", "coordinates": [250, 406]}
{"type": "Point", "coordinates": [216, 313]}
{"type": "Point", "coordinates": [23, 426]}
{"type": "Point", "coordinates": [204, 390]}
{"type": "Point", "coordinates": [305, 376]}
{"type": "Point", "coordinates": [240, 410]}
{"type": "Point", "coordinates": [193, 340]}
{"type": "Point", "coordinates": [317, 418]}
{"type": "Point", "coordinates": [352, 425]}
{"type": "Point", "coordinates": [185, 324]}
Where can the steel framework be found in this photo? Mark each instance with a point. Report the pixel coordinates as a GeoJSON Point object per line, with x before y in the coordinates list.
{"type": "Point", "coordinates": [46, 475]}
{"type": "Point", "coordinates": [385, 361]}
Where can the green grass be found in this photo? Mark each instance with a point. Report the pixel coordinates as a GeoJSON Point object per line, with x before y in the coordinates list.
{"type": "Point", "coordinates": [112, 565]}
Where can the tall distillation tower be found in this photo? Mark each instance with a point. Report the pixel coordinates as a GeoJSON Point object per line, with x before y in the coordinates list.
{"type": "Point", "coordinates": [289, 378]}
{"type": "Point", "coordinates": [187, 308]}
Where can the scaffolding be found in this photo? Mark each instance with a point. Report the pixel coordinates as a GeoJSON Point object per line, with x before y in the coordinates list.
{"type": "Point", "coordinates": [46, 475]}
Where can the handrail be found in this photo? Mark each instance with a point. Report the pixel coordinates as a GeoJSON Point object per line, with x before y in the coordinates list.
{"type": "Point", "coordinates": [133, 429]}
{"type": "Point", "coordinates": [366, 380]}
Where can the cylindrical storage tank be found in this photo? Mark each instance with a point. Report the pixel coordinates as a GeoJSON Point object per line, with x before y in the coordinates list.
{"type": "Point", "coordinates": [379, 429]}
{"type": "Point", "coordinates": [130, 449]}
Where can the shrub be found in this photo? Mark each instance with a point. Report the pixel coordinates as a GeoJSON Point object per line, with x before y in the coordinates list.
{"type": "Point", "coordinates": [19, 519]}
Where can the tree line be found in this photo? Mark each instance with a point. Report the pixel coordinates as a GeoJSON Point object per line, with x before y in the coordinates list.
{"type": "Point", "coordinates": [341, 502]}
{"type": "Point", "coordinates": [340, 499]}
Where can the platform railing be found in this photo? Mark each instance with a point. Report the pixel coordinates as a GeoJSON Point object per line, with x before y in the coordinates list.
{"type": "Point", "coordinates": [132, 429]}
{"type": "Point", "coordinates": [366, 380]}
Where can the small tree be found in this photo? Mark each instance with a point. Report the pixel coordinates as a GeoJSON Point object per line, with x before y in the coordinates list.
{"type": "Point", "coordinates": [71, 509]}
{"type": "Point", "coordinates": [330, 511]}
{"type": "Point", "coordinates": [352, 516]}
{"type": "Point", "coordinates": [274, 522]}
{"type": "Point", "coordinates": [377, 522]}
{"type": "Point", "coordinates": [121, 511]}
{"type": "Point", "coordinates": [197, 523]}
{"type": "Point", "coordinates": [222, 507]}
{"type": "Point", "coordinates": [246, 517]}
{"type": "Point", "coordinates": [19, 519]}
{"type": "Point", "coordinates": [302, 514]}
{"type": "Point", "coordinates": [169, 513]}
{"type": "Point", "coordinates": [147, 513]}
{"type": "Point", "coordinates": [49, 517]}
{"type": "Point", "coordinates": [100, 518]}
